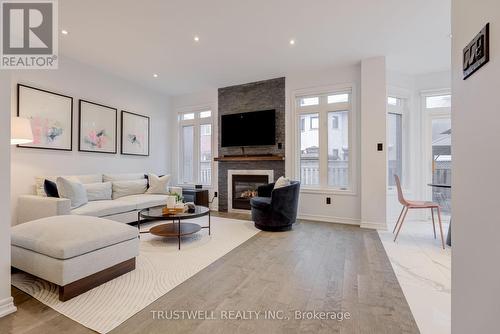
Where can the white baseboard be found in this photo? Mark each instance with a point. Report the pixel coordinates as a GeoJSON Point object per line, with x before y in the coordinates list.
{"type": "Point", "coordinates": [374, 226]}
{"type": "Point", "coordinates": [329, 219]}
{"type": "Point", "coordinates": [7, 306]}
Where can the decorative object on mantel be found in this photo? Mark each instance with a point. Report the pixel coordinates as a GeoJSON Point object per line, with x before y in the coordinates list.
{"type": "Point", "coordinates": [477, 52]}
{"type": "Point", "coordinates": [20, 131]}
{"type": "Point", "coordinates": [135, 134]}
{"type": "Point", "coordinates": [51, 117]}
{"type": "Point", "coordinates": [97, 128]}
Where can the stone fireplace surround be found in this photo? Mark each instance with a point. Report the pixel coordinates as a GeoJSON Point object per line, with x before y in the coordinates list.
{"type": "Point", "coordinates": [255, 96]}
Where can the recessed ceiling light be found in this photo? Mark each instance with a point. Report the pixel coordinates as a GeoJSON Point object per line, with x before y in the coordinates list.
{"type": "Point", "coordinates": [64, 32]}
{"type": "Point", "coordinates": [196, 38]}
{"type": "Point", "coordinates": [292, 42]}
{"type": "Point", "coordinates": [155, 75]}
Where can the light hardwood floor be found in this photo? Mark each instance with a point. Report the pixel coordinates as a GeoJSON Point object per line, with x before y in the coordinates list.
{"type": "Point", "coordinates": [316, 266]}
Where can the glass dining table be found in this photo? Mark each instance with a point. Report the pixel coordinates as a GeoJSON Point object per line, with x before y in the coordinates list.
{"type": "Point", "coordinates": [444, 186]}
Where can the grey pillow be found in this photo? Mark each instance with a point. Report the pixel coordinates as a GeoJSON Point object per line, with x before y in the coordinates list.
{"type": "Point", "coordinates": [74, 191]}
{"type": "Point", "coordinates": [98, 191]}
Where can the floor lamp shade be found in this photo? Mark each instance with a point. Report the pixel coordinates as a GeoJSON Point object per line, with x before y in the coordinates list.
{"type": "Point", "coordinates": [20, 131]}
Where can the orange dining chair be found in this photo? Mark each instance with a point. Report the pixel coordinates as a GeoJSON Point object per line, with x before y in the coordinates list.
{"type": "Point", "coordinates": [407, 205]}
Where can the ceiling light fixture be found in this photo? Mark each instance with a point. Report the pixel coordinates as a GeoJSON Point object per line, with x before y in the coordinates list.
{"type": "Point", "coordinates": [196, 38]}
{"type": "Point", "coordinates": [155, 75]}
{"type": "Point", "coordinates": [292, 42]}
{"type": "Point", "coordinates": [64, 32]}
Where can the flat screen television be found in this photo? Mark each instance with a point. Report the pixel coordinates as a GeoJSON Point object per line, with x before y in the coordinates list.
{"type": "Point", "coordinates": [256, 128]}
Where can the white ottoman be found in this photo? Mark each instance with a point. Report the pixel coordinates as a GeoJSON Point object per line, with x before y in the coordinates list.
{"type": "Point", "coordinates": [77, 253]}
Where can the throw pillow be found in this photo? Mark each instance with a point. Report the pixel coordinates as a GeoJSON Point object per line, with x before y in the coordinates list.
{"type": "Point", "coordinates": [74, 191]}
{"type": "Point", "coordinates": [282, 182]}
{"type": "Point", "coordinates": [158, 184]}
{"type": "Point", "coordinates": [98, 191]}
{"type": "Point", "coordinates": [50, 188]}
{"type": "Point", "coordinates": [127, 188]}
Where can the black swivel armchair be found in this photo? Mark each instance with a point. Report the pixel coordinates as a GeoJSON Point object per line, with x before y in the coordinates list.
{"type": "Point", "coordinates": [275, 209]}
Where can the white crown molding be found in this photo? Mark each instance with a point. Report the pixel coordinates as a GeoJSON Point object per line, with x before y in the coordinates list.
{"type": "Point", "coordinates": [7, 306]}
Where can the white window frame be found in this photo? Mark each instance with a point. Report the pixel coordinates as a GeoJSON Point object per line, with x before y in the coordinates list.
{"type": "Point", "coordinates": [404, 111]}
{"type": "Point", "coordinates": [196, 123]}
{"type": "Point", "coordinates": [323, 109]}
{"type": "Point", "coordinates": [428, 115]}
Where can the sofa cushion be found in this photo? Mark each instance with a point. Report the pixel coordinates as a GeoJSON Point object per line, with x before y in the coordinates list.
{"type": "Point", "coordinates": [126, 188]}
{"type": "Point", "coordinates": [64, 237]}
{"type": "Point", "coordinates": [103, 208]}
{"type": "Point", "coordinates": [90, 178]}
{"type": "Point", "coordinates": [144, 200]}
{"type": "Point", "coordinates": [158, 184]}
{"type": "Point", "coordinates": [98, 191]}
{"type": "Point", "coordinates": [74, 191]}
{"type": "Point", "coordinates": [261, 202]}
{"type": "Point", "coordinates": [122, 177]}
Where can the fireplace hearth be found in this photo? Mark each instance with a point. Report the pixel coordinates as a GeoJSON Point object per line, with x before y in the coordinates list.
{"type": "Point", "coordinates": [244, 187]}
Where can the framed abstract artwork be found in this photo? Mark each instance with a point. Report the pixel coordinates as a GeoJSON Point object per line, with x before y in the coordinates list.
{"type": "Point", "coordinates": [135, 134]}
{"type": "Point", "coordinates": [97, 128]}
{"type": "Point", "coordinates": [51, 117]}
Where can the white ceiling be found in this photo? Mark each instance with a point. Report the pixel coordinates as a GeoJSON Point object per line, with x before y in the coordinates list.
{"type": "Point", "coordinates": [247, 40]}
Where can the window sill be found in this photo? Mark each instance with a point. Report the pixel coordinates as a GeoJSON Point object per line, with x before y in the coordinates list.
{"type": "Point", "coordinates": [328, 191]}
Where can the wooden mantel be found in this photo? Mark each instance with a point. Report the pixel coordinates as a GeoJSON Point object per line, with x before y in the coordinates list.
{"type": "Point", "coordinates": [250, 158]}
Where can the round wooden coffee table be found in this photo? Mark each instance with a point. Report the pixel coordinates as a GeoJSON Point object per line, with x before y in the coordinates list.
{"type": "Point", "coordinates": [176, 228]}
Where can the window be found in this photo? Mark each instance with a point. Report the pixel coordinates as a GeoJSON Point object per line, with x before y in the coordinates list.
{"type": "Point", "coordinates": [394, 147]}
{"type": "Point", "coordinates": [188, 116]}
{"type": "Point", "coordinates": [205, 153]}
{"type": "Point", "coordinates": [324, 141]}
{"type": "Point", "coordinates": [195, 138]}
{"type": "Point", "coordinates": [187, 153]}
{"type": "Point", "coordinates": [396, 107]}
{"type": "Point", "coordinates": [334, 120]}
{"type": "Point", "coordinates": [205, 114]}
{"type": "Point", "coordinates": [309, 101]}
{"type": "Point", "coordinates": [314, 122]}
{"type": "Point", "coordinates": [392, 101]}
{"type": "Point", "coordinates": [439, 101]}
{"type": "Point", "coordinates": [337, 98]}
{"type": "Point", "coordinates": [338, 148]}
{"type": "Point", "coordinates": [309, 153]}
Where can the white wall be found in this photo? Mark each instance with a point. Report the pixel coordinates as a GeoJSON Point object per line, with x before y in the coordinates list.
{"type": "Point", "coordinates": [476, 181]}
{"type": "Point", "coordinates": [6, 305]}
{"type": "Point", "coordinates": [373, 131]}
{"type": "Point", "coordinates": [82, 81]}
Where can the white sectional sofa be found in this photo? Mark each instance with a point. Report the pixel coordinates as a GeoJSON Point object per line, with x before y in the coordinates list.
{"type": "Point", "coordinates": [122, 209]}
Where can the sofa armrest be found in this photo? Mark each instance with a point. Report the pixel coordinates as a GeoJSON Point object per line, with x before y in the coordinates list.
{"type": "Point", "coordinates": [31, 207]}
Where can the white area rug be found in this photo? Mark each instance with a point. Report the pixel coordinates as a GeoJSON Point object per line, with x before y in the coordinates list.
{"type": "Point", "coordinates": [160, 268]}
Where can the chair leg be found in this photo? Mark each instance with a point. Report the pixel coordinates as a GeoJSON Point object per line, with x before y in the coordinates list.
{"type": "Point", "coordinates": [401, 223]}
{"type": "Point", "coordinates": [440, 226]}
{"type": "Point", "coordinates": [397, 221]}
{"type": "Point", "coordinates": [433, 223]}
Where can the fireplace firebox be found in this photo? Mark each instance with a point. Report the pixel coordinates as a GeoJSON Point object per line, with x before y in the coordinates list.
{"type": "Point", "coordinates": [244, 188]}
